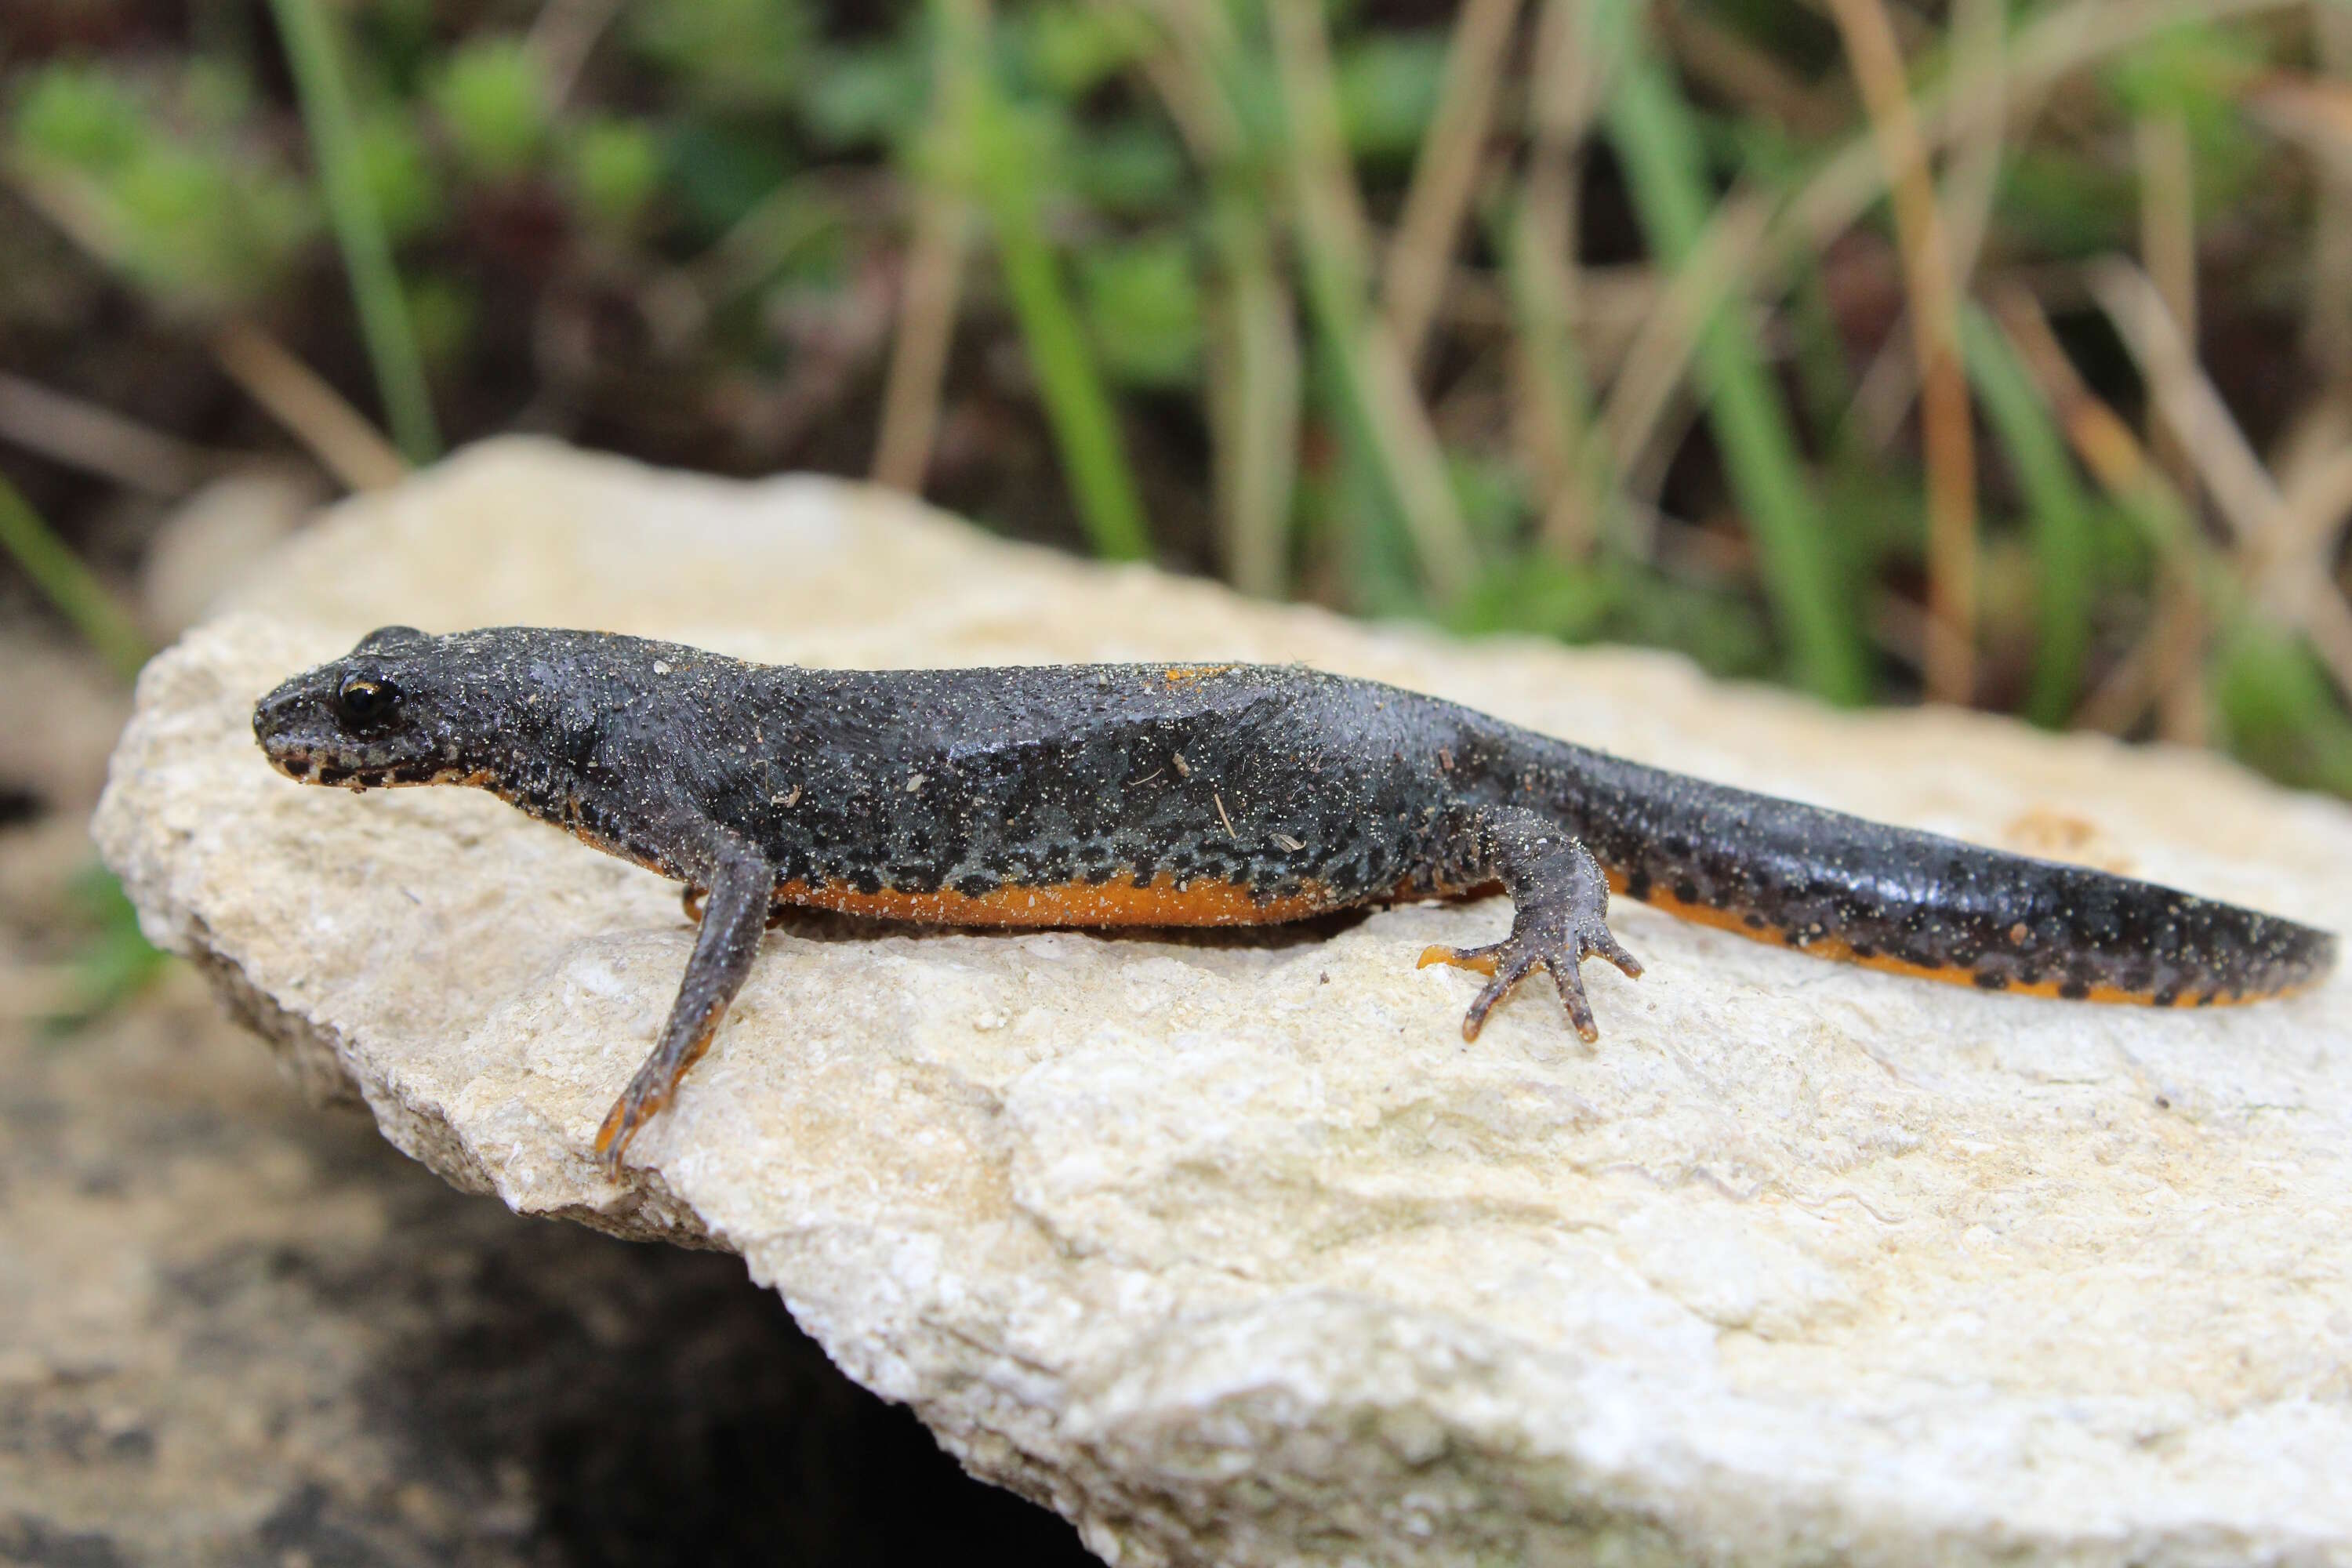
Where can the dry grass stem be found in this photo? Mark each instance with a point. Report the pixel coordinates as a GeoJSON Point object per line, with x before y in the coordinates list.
{"type": "Point", "coordinates": [1656, 361]}
{"type": "Point", "coordinates": [1253, 385]}
{"type": "Point", "coordinates": [1747, 75]}
{"type": "Point", "coordinates": [2104, 443]}
{"type": "Point", "coordinates": [2168, 238]}
{"type": "Point", "coordinates": [1946, 428]}
{"type": "Point", "coordinates": [1970, 186]}
{"type": "Point", "coordinates": [312, 411]}
{"type": "Point", "coordinates": [97, 440]}
{"type": "Point", "coordinates": [926, 301]}
{"type": "Point", "coordinates": [1552, 364]}
{"type": "Point", "coordinates": [1445, 172]}
{"type": "Point", "coordinates": [1336, 238]}
{"type": "Point", "coordinates": [918, 350]}
{"type": "Point", "coordinates": [2242, 490]}
{"type": "Point", "coordinates": [2168, 248]}
{"type": "Point", "coordinates": [563, 35]}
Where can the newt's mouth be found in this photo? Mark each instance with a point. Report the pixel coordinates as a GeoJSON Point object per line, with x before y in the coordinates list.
{"type": "Point", "coordinates": [305, 768]}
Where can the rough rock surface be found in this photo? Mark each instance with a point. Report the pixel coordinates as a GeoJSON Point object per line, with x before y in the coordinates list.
{"type": "Point", "coordinates": [1228, 1246]}
{"type": "Point", "coordinates": [234, 1330]}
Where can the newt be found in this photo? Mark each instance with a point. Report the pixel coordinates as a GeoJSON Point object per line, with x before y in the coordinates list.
{"type": "Point", "coordinates": [1100, 796]}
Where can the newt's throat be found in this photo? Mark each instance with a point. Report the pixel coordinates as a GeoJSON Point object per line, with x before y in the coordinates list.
{"type": "Point", "coordinates": [305, 769]}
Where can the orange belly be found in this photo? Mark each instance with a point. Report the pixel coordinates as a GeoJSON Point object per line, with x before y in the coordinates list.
{"type": "Point", "coordinates": [1118, 902]}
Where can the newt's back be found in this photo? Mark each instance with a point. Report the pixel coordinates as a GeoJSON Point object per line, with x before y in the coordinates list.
{"type": "Point", "coordinates": [1088, 794]}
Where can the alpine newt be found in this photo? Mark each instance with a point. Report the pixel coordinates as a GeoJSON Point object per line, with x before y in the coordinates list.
{"type": "Point", "coordinates": [1194, 794]}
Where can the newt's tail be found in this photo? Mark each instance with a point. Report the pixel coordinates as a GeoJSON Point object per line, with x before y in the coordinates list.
{"type": "Point", "coordinates": [1891, 898]}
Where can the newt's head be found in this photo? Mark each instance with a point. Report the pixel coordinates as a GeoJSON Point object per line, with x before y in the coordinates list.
{"type": "Point", "coordinates": [396, 710]}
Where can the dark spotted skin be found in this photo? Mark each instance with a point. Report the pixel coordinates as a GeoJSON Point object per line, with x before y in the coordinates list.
{"type": "Point", "coordinates": [1191, 795]}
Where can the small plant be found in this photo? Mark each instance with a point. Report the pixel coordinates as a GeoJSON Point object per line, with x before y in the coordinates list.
{"type": "Point", "coordinates": [197, 214]}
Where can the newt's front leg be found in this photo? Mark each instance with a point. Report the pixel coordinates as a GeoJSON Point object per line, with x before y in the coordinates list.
{"type": "Point", "coordinates": [734, 912]}
{"type": "Point", "coordinates": [1560, 912]}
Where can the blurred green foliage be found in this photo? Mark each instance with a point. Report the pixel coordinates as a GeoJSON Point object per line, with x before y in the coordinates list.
{"type": "Point", "coordinates": [194, 211]}
{"type": "Point", "coordinates": [113, 961]}
{"type": "Point", "coordinates": [1388, 91]}
{"type": "Point", "coordinates": [712, 194]}
{"type": "Point", "coordinates": [490, 102]}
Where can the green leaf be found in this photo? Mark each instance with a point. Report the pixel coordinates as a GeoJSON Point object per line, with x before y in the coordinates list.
{"type": "Point", "coordinates": [493, 102]}
{"type": "Point", "coordinates": [732, 54]}
{"type": "Point", "coordinates": [2068, 206]}
{"type": "Point", "coordinates": [1802, 567]}
{"type": "Point", "coordinates": [80, 117]}
{"type": "Point", "coordinates": [205, 230]}
{"type": "Point", "coordinates": [1128, 168]}
{"type": "Point", "coordinates": [2278, 709]}
{"type": "Point", "coordinates": [859, 96]}
{"type": "Point", "coordinates": [1142, 304]}
{"type": "Point", "coordinates": [719, 174]}
{"type": "Point", "coordinates": [398, 175]}
{"type": "Point", "coordinates": [215, 98]}
{"type": "Point", "coordinates": [2199, 70]}
{"type": "Point", "coordinates": [1537, 593]}
{"type": "Point", "coordinates": [1491, 493]}
{"type": "Point", "coordinates": [115, 963]}
{"type": "Point", "coordinates": [2064, 549]}
{"type": "Point", "coordinates": [1388, 84]}
{"type": "Point", "coordinates": [615, 169]}
{"type": "Point", "coordinates": [1070, 50]}
{"type": "Point", "coordinates": [442, 316]}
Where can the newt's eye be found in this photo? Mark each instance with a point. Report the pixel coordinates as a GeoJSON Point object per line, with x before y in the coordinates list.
{"type": "Point", "coordinates": [366, 699]}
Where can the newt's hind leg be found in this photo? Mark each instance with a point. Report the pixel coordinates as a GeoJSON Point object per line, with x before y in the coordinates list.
{"type": "Point", "coordinates": [734, 912]}
{"type": "Point", "coordinates": [1560, 910]}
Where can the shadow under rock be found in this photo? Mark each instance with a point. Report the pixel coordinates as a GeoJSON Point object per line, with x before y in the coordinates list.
{"type": "Point", "coordinates": [600, 1402]}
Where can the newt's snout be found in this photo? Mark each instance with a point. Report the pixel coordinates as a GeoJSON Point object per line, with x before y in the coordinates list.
{"type": "Point", "coordinates": [353, 723]}
{"type": "Point", "coordinates": [304, 742]}
{"type": "Point", "coordinates": [281, 726]}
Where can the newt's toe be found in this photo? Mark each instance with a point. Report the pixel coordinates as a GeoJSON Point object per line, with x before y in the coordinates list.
{"type": "Point", "coordinates": [1515, 957]}
{"type": "Point", "coordinates": [1481, 959]}
{"type": "Point", "coordinates": [621, 1124]}
{"type": "Point", "coordinates": [1607, 946]}
{"type": "Point", "coordinates": [1570, 984]}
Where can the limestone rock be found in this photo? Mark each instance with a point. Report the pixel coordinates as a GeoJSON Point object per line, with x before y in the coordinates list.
{"type": "Point", "coordinates": [1227, 1246]}
{"type": "Point", "coordinates": [234, 1330]}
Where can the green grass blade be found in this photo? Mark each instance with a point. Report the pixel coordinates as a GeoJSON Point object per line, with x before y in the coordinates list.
{"type": "Point", "coordinates": [1255, 408]}
{"type": "Point", "coordinates": [1085, 425]}
{"type": "Point", "coordinates": [2278, 709]}
{"type": "Point", "coordinates": [70, 585]}
{"type": "Point", "coordinates": [1372, 390]}
{"type": "Point", "coordinates": [1585, 514]}
{"type": "Point", "coordinates": [313, 53]}
{"type": "Point", "coordinates": [1652, 129]}
{"type": "Point", "coordinates": [1078, 405]}
{"type": "Point", "coordinates": [2066, 550]}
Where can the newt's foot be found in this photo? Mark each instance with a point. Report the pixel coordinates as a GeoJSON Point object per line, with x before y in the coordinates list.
{"type": "Point", "coordinates": [1523, 951]}
{"type": "Point", "coordinates": [621, 1124]}
{"type": "Point", "coordinates": [691, 899]}
{"type": "Point", "coordinates": [652, 1084]}
{"type": "Point", "coordinates": [640, 1103]}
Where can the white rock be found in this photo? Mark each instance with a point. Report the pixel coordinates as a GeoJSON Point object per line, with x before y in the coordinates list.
{"type": "Point", "coordinates": [1229, 1247]}
{"type": "Point", "coordinates": [211, 540]}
